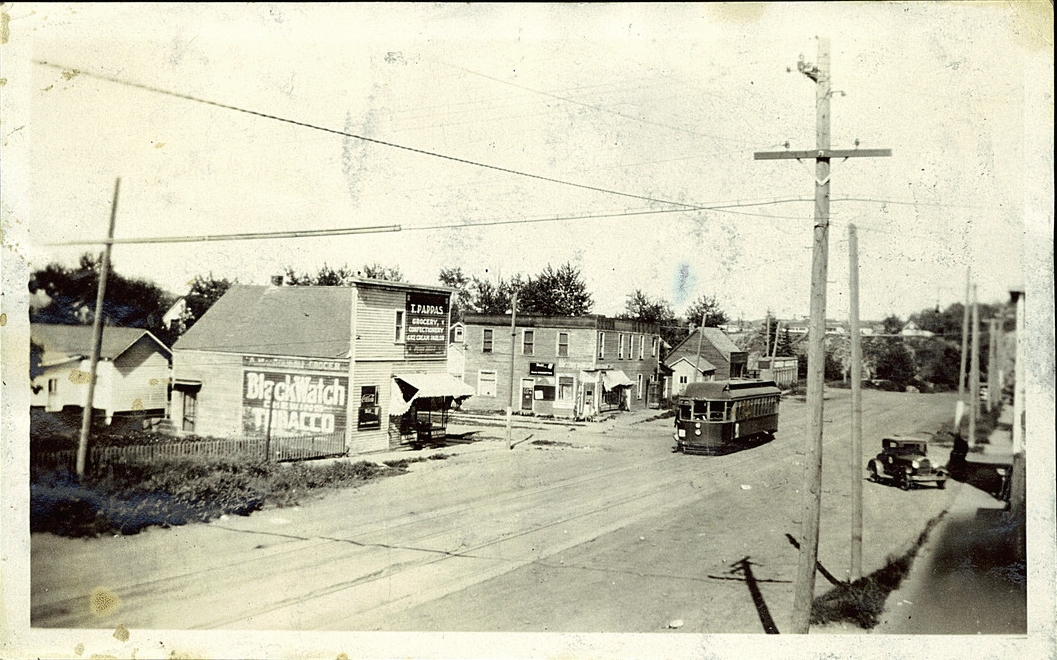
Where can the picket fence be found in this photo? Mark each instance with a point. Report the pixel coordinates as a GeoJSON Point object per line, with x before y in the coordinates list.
{"type": "Point", "coordinates": [291, 448]}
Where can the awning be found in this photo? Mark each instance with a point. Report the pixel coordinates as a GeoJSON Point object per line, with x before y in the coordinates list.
{"type": "Point", "coordinates": [614, 378]}
{"type": "Point", "coordinates": [408, 387]}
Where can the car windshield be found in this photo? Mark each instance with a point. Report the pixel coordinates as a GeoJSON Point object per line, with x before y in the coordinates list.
{"type": "Point", "coordinates": [905, 447]}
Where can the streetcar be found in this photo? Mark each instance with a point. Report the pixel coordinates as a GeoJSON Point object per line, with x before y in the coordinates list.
{"type": "Point", "coordinates": [725, 415]}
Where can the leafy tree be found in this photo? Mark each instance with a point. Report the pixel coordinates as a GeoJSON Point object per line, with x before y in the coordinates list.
{"type": "Point", "coordinates": [463, 298]}
{"type": "Point", "coordinates": [205, 290]}
{"type": "Point", "coordinates": [892, 324]}
{"type": "Point", "coordinates": [70, 295]}
{"type": "Point", "coordinates": [342, 276]}
{"type": "Point", "coordinates": [890, 360]}
{"type": "Point", "coordinates": [641, 307]}
{"type": "Point", "coordinates": [555, 292]}
{"type": "Point", "coordinates": [705, 311]}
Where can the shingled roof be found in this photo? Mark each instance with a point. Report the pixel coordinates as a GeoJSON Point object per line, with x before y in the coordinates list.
{"type": "Point", "coordinates": [304, 321]}
{"type": "Point", "coordinates": [62, 343]}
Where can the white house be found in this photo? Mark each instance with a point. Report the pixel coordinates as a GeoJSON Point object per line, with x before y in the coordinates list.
{"type": "Point", "coordinates": [684, 372]}
{"type": "Point", "coordinates": [132, 376]}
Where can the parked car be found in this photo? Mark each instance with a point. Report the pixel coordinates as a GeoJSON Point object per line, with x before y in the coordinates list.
{"type": "Point", "coordinates": [905, 462]}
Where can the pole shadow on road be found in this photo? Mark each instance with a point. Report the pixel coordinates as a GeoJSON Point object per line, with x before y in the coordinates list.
{"type": "Point", "coordinates": [744, 566]}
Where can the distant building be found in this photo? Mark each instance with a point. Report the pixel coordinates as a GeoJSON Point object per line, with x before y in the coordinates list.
{"type": "Point", "coordinates": [716, 348]}
{"type": "Point", "coordinates": [563, 366]}
{"type": "Point", "coordinates": [367, 361]}
{"type": "Point", "coordinates": [781, 370]}
{"type": "Point", "coordinates": [132, 376]}
{"type": "Point", "coordinates": [911, 329]}
{"type": "Point", "coordinates": [686, 370]}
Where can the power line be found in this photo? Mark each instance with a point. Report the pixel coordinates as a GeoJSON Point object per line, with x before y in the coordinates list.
{"type": "Point", "coordinates": [384, 143]}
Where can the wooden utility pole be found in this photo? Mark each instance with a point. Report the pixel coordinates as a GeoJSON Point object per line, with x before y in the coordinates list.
{"type": "Point", "coordinates": [965, 356]}
{"type": "Point", "coordinates": [97, 338]}
{"type": "Point", "coordinates": [856, 404]}
{"type": "Point", "coordinates": [974, 373]}
{"type": "Point", "coordinates": [822, 154]}
{"type": "Point", "coordinates": [697, 365]}
{"type": "Point", "coordinates": [513, 347]}
{"type": "Point", "coordinates": [993, 388]}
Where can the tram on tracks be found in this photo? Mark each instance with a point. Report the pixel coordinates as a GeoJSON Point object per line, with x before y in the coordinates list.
{"type": "Point", "coordinates": [726, 415]}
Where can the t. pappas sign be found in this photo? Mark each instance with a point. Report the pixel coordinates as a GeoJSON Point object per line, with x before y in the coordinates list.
{"type": "Point", "coordinates": [293, 404]}
{"type": "Point", "coordinates": [427, 324]}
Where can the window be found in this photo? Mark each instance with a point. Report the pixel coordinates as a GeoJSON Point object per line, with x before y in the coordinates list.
{"type": "Point", "coordinates": [563, 344]}
{"type": "Point", "coordinates": [682, 380]}
{"type": "Point", "coordinates": [601, 345]}
{"type": "Point", "coordinates": [620, 347]}
{"type": "Point", "coordinates": [398, 337]}
{"type": "Point", "coordinates": [458, 334]}
{"type": "Point", "coordinates": [565, 391]}
{"type": "Point", "coordinates": [527, 340]}
{"type": "Point", "coordinates": [486, 383]}
{"type": "Point", "coordinates": [638, 393]}
{"type": "Point", "coordinates": [631, 347]}
{"type": "Point", "coordinates": [642, 341]}
{"type": "Point", "coordinates": [656, 341]}
{"type": "Point", "coordinates": [487, 346]}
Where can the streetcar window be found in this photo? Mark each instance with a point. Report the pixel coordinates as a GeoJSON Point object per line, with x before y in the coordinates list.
{"type": "Point", "coordinates": [700, 409]}
{"type": "Point", "coordinates": [684, 411]}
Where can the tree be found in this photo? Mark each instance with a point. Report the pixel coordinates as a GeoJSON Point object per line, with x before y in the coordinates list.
{"type": "Point", "coordinates": [342, 276]}
{"type": "Point", "coordinates": [205, 291]}
{"type": "Point", "coordinates": [641, 307]}
{"type": "Point", "coordinates": [69, 296]}
{"type": "Point", "coordinates": [463, 298]}
{"type": "Point", "coordinates": [555, 292]}
{"type": "Point", "coordinates": [706, 308]}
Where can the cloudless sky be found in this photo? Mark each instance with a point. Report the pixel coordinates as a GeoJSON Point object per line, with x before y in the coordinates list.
{"type": "Point", "coordinates": [664, 103]}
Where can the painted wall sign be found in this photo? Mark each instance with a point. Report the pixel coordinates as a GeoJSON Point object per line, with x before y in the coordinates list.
{"type": "Point", "coordinates": [294, 364]}
{"type": "Point", "coordinates": [427, 325]}
{"type": "Point", "coordinates": [293, 404]}
{"type": "Point", "coordinates": [541, 368]}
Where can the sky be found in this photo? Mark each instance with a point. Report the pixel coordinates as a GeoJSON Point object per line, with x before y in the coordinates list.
{"type": "Point", "coordinates": [498, 134]}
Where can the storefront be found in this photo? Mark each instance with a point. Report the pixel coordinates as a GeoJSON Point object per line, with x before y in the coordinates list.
{"type": "Point", "coordinates": [420, 405]}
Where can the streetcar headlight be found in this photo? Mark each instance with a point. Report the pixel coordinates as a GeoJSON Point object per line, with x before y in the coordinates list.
{"type": "Point", "coordinates": [682, 433]}
{"type": "Point", "coordinates": [698, 425]}
{"type": "Point", "coordinates": [697, 432]}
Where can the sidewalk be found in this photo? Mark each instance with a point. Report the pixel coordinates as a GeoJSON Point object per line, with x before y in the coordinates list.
{"type": "Point", "coordinates": [970, 576]}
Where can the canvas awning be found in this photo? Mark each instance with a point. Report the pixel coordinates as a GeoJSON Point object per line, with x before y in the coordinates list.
{"type": "Point", "coordinates": [614, 378]}
{"type": "Point", "coordinates": [408, 387]}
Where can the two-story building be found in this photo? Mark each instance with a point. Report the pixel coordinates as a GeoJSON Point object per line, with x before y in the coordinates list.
{"type": "Point", "coordinates": [571, 367]}
{"type": "Point", "coordinates": [365, 361]}
{"type": "Point", "coordinates": [716, 350]}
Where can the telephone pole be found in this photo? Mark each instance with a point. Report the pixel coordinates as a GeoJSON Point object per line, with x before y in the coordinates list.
{"type": "Point", "coordinates": [513, 346]}
{"type": "Point", "coordinates": [97, 339]}
{"type": "Point", "coordinates": [974, 373]}
{"type": "Point", "coordinates": [959, 411]}
{"type": "Point", "coordinates": [822, 154]}
{"type": "Point", "coordinates": [856, 405]}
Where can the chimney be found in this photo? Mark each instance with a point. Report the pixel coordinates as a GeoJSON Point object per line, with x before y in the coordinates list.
{"type": "Point", "coordinates": [277, 280]}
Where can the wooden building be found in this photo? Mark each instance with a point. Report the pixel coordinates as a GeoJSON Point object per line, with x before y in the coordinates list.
{"type": "Point", "coordinates": [564, 366]}
{"type": "Point", "coordinates": [716, 348]}
{"type": "Point", "coordinates": [132, 375]}
{"type": "Point", "coordinates": [688, 370]}
{"type": "Point", "coordinates": [363, 361]}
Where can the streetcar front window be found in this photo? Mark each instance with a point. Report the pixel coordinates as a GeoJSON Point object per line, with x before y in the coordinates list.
{"type": "Point", "coordinates": [700, 409]}
{"type": "Point", "coordinates": [684, 411]}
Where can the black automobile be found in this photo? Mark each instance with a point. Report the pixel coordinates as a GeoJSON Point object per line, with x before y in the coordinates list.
{"type": "Point", "coordinates": [905, 462]}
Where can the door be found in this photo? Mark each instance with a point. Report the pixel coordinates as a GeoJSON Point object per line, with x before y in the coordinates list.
{"type": "Point", "coordinates": [190, 411]}
{"type": "Point", "coordinates": [53, 396]}
{"type": "Point", "coordinates": [527, 387]}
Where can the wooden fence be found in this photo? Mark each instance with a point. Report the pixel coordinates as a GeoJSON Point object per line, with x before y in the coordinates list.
{"type": "Point", "coordinates": [291, 448]}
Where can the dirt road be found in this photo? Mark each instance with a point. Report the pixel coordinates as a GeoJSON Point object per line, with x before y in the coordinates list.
{"type": "Point", "coordinates": [605, 530]}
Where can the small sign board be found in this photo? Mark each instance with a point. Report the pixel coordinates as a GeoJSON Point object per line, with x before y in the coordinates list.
{"type": "Point", "coordinates": [541, 368]}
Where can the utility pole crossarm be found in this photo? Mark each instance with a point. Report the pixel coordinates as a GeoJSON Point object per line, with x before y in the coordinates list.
{"type": "Point", "coordinates": [821, 154]}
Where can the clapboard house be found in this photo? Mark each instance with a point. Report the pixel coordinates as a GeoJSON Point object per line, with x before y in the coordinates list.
{"type": "Point", "coordinates": [132, 375]}
{"type": "Point", "coordinates": [361, 362]}
{"type": "Point", "coordinates": [717, 350]}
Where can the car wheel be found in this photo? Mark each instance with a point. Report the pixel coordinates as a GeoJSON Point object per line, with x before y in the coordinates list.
{"type": "Point", "coordinates": [941, 484]}
{"type": "Point", "coordinates": [871, 469]}
{"type": "Point", "coordinates": [903, 481]}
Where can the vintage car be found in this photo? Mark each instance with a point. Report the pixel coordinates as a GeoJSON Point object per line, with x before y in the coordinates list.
{"type": "Point", "coordinates": [905, 462]}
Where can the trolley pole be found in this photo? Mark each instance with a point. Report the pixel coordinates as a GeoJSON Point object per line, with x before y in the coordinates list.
{"type": "Point", "coordinates": [513, 342]}
{"type": "Point", "coordinates": [97, 338]}
{"type": "Point", "coordinates": [856, 405]}
{"type": "Point", "coordinates": [822, 154]}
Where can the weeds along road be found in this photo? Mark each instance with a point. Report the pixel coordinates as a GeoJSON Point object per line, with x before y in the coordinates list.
{"type": "Point", "coordinates": [600, 532]}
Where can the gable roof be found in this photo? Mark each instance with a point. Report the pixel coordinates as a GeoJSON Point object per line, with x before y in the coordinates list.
{"type": "Point", "coordinates": [305, 321]}
{"type": "Point", "coordinates": [703, 367]}
{"type": "Point", "coordinates": [62, 343]}
{"type": "Point", "coordinates": [714, 336]}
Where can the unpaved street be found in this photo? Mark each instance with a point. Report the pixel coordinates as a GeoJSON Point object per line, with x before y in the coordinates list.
{"type": "Point", "coordinates": [606, 530]}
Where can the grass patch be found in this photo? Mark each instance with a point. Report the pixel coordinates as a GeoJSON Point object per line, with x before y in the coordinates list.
{"type": "Point", "coordinates": [862, 602]}
{"type": "Point", "coordinates": [126, 498]}
{"type": "Point", "coordinates": [402, 463]}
